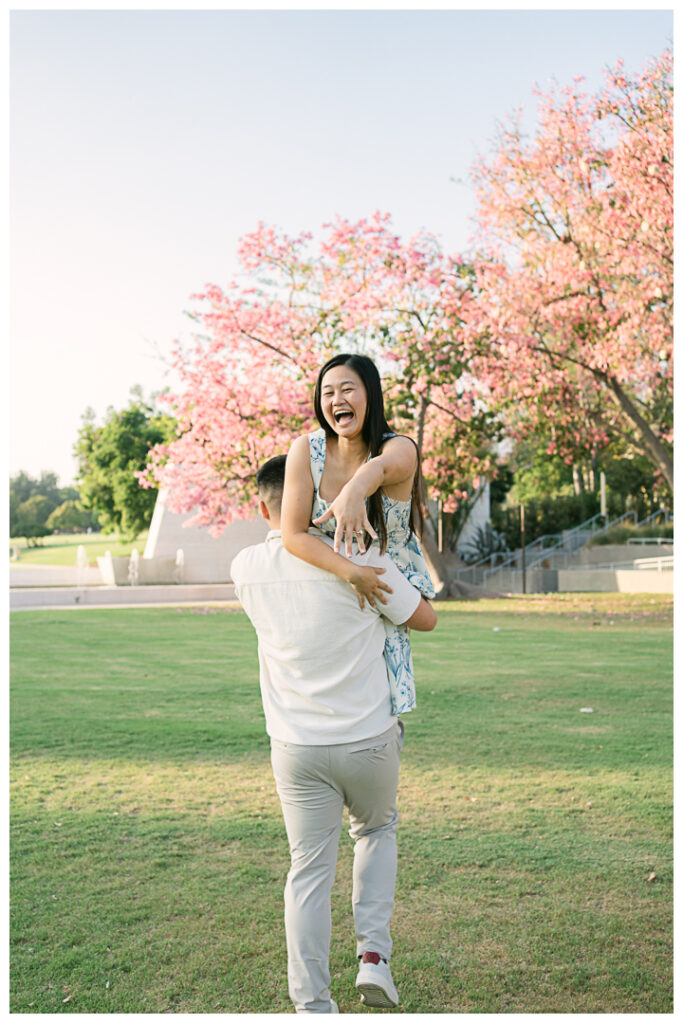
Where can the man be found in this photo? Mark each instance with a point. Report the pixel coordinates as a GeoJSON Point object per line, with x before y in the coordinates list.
{"type": "Point", "coordinates": [334, 741]}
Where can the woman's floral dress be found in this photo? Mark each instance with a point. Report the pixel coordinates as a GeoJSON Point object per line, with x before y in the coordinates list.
{"type": "Point", "coordinates": [404, 550]}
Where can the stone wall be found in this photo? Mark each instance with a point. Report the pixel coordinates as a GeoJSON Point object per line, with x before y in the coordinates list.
{"type": "Point", "coordinates": [604, 554]}
{"type": "Point", "coordinates": [626, 581]}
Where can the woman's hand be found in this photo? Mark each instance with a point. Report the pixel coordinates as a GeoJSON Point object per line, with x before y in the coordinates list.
{"type": "Point", "coordinates": [365, 580]}
{"type": "Point", "coordinates": [349, 510]}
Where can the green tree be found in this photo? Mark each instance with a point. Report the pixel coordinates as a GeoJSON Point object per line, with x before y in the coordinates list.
{"type": "Point", "coordinates": [538, 475]}
{"type": "Point", "coordinates": [109, 457]}
{"type": "Point", "coordinates": [70, 517]}
{"type": "Point", "coordinates": [31, 519]}
{"type": "Point", "coordinates": [22, 486]}
{"type": "Point", "coordinates": [632, 482]}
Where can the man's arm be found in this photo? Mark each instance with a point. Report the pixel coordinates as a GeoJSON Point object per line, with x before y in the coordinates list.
{"type": "Point", "coordinates": [405, 606]}
{"type": "Point", "coordinates": [423, 618]}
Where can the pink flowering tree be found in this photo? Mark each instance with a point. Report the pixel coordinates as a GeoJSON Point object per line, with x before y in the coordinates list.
{"type": "Point", "coordinates": [416, 307]}
{"type": "Point", "coordinates": [247, 380]}
{"type": "Point", "coordinates": [576, 282]}
{"type": "Point", "coordinates": [560, 328]}
{"type": "Point", "coordinates": [245, 384]}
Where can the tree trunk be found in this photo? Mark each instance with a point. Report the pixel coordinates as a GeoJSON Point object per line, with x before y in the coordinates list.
{"type": "Point", "coordinates": [421, 421]}
{"type": "Point", "coordinates": [594, 476]}
{"type": "Point", "coordinates": [578, 479]}
{"type": "Point", "coordinates": [652, 447]}
{"type": "Point", "coordinates": [436, 562]}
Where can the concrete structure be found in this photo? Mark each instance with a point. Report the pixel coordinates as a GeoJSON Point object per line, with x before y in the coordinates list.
{"type": "Point", "coordinates": [180, 565]}
{"type": "Point", "coordinates": [206, 559]}
{"type": "Point", "coordinates": [116, 572]}
{"type": "Point", "coordinates": [604, 568]}
{"type": "Point", "coordinates": [53, 576]}
{"type": "Point", "coordinates": [616, 554]}
{"type": "Point", "coordinates": [479, 515]}
{"type": "Point", "coordinates": [625, 581]}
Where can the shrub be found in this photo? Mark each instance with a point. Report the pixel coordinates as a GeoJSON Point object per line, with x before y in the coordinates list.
{"type": "Point", "coordinates": [486, 541]}
{"type": "Point", "coordinates": [622, 533]}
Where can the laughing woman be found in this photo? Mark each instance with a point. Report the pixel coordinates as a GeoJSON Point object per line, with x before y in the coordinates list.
{"type": "Point", "coordinates": [353, 478]}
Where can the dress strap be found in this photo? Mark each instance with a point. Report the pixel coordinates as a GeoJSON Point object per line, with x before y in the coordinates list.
{"type": "Point", "coordinates": [317, 445]}
{"type": "Point", "coordinates": [385, 437]}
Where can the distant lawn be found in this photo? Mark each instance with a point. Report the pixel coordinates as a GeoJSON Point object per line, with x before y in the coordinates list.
{"type": "Point", "coordinates": [535, 875]}
{"type": "Point", "coordinates": [61, 548]}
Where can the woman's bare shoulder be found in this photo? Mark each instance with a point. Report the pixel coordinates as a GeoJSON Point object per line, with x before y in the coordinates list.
{"type": "Point", "coordinates": [299, 444]}
{"type": "Point", "coordinates": [298, 466]}
{"type": "Point", "coordinates": [299, 460]}
{"type": "Point", "coordinates": [399, 439]}
{"type": "Point", "coordinates": [402, 447]}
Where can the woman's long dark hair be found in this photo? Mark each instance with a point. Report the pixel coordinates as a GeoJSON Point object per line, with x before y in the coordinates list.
{"type": "Point", "coordinates": [374, 429]}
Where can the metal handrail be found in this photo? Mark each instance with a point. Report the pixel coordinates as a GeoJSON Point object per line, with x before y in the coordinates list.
{"type": "Point", "coordinates": [535, 553]}
{"type": "Point", "coordinates": [665, 562]}
{"type": "Point", "coordinates": [545, 536]}
{"type": "Point", "coordinates": [609, 524]}
{"type": "Point", "coordinates": [561, 547]}
{"type": "Point", "coordinates": [615, 522]}
{"type": "Point", "coordinates": [544, 554]}
{"type": "Point", "coordinates": [514, 555]}
{"type": "Point", "coordinates": [486, 558]}
{"type": "Point", "coordinates": [650, 540]}
{"type": "Point", "coordinates": [594, 533]}
{"type": "Point", "coordinates": [581, 528]}
{"type": "Point", "coordinates": [653, 515]}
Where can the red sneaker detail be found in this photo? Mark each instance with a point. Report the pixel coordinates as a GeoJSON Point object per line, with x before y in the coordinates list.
{"type": "Point", "coordinates": [371, 958]}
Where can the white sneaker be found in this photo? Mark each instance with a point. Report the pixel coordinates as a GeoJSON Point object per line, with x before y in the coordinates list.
{"type": "Point", "coordinates": [374, 982]}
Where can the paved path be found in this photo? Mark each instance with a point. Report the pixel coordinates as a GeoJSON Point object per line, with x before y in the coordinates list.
{"type": "Point", "coordinates": [53, 576]}
{"type": "Point", "coordinates": [119, 597]}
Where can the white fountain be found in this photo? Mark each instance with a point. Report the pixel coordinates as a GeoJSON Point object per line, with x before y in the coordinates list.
{"type": "Point", "coordinates": [81, 565]}
{"type": "Point", "coordinates": [179, 574]}
{"type": "Point", "coordinates": [134, 568]}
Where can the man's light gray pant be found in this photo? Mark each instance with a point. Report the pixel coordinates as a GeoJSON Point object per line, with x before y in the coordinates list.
{"type": "Point", "coordinates": [314, 783]}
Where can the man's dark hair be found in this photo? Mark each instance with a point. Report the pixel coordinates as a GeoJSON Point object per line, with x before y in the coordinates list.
{"type": "Point", "coordinates": [270, 481]}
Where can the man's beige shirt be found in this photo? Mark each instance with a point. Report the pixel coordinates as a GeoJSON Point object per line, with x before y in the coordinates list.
{"type": "Point", "coordinates": [323, 674]}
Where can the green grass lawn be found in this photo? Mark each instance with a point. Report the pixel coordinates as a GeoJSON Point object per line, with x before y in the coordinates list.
{"type": "Point", "coordinates": [62, 548]}
{"type": "Point", "coordinates": [148, 853]}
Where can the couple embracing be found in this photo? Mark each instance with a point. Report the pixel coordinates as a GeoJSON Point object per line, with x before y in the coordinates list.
{"type": "Point", "coordinates": [335, 663]}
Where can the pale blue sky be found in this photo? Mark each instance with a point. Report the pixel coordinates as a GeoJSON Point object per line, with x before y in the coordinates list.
{"type": "Point", "coordinates": [144, 144]}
